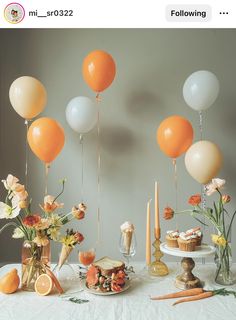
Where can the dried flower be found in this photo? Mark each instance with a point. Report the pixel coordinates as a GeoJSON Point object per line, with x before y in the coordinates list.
{"type": "Point", "coordinates": [214, 185]}
{"type": "Point", "coordinates": [195, 200]}
{"type": "Point", "coordinates": [168, 213]}
{"type": "Point", "coordinates": [32, 220]}
{"type": "Point", "coordinates": [226, 198]}
{"type": "Point", "coordinates": [218, 240]}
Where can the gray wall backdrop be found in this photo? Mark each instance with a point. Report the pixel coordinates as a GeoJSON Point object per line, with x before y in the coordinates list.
{"type": "Point", "coordinates": [152, 66]}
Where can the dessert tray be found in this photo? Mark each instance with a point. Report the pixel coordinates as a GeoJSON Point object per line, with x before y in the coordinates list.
{"type": "Point", "coordinates": [187, 280]}
{"type": "Point", "coordinates": [109, 293]}
{"type": "Point", "coordinates": [201, 251]}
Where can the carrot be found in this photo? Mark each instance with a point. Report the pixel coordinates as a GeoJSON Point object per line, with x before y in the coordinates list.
{"type": "Point", "coordinates": [184, 293]}
{"type": "Point", "coordinates": [200, 296]}
{"type": "Point", "coordinates": [55, 281]}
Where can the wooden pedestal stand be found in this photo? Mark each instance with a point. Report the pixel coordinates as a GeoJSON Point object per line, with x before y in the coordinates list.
{"type": "Point", "coordinates": [187, 280]}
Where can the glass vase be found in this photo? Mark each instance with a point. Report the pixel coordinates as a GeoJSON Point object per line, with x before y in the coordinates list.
{"type": "Point", "coordinates": [34, 262]}
{"type": "Point", "coordinates": [223, 260]}
{"type": "Point", "coordinates": [65, 275]}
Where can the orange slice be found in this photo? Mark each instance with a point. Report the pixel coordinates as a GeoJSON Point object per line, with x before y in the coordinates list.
{"type": "Point", "coordinates": [43, 285]}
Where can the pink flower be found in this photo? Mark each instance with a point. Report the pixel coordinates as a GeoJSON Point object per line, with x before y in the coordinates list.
{"type": "Point", "coordinates": [225, 198]}
{"type": "Point", "coordinates": [214, 185]}
{"type": "Point", "coordinates": [20, 192]}
{"type": "Point", "coordinates": [10, 182]}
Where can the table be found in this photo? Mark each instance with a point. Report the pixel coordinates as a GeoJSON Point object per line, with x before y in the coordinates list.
{"type": "Point", "coordinates": [132, 304]}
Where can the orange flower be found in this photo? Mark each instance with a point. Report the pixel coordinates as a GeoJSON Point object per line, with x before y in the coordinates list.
{"type": "Point", "coordinates": [50, 204]}
{"type": "Point", "coordinates": [168, 213]}
{"type": "Point", "coordinates": [32, 220]}
{"type": "Point", "coordinates": [195, 200]}
{"type": "Point", "coordinates": [226, 198]}
{"type": "Point", "coordinates": [78, 237]}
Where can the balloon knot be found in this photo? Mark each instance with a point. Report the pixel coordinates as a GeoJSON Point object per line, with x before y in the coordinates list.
{"type": "Point", "coordinates": [98, 98]}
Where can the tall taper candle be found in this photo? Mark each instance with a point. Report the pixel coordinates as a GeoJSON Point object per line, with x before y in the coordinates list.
{"type": "Point", "coordinates": [157, 218]}
{"type": "Point", "coordinates": [148, 236]}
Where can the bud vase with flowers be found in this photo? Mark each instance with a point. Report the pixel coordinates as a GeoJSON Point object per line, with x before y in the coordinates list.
{"type": "Point", "coordinates": [222, 222]}
{"type": "Point", "coordinates": [37, 230]}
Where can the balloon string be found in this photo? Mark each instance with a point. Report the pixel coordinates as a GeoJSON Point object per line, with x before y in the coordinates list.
{"type": "Point", "coordinates": [201, 124]}
{"type": "Point", "coordinates": [176, 189]}
{"type": "Point", "coordinates": [98, 100]}
{"type": "Point", "coordinates": [26, 154]}
{"type": "Point", "coordinates": [47, 167]}
{"type": "Point", "coordinates": [82, 166]}
{"type": "Point", "coordinates": [203, 193]}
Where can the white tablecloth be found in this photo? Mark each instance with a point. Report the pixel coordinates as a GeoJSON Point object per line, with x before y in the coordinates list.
{"type": "Point", "coordinates": [134, 304]}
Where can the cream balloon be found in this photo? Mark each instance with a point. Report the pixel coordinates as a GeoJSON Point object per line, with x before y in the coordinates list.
{"type": "Point", "coordinates": [203, 161]}
{"type": "Point", "coordinates": [28, 97]}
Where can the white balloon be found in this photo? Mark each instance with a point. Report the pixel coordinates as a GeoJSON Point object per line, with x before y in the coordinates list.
{"type": "Point", "coordinates": [81, 114]}
{"type": "Point", "coordinates": [201, 89]}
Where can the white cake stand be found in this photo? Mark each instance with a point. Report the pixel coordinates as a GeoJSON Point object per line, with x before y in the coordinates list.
{"type": "Point", "coordinates": [187, 280]}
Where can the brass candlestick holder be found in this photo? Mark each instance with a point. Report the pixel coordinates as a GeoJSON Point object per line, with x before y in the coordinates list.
{"type": "Point", "coordinates": [157, 267]}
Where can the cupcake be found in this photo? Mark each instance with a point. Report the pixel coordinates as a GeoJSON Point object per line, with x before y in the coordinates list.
{"type": "Point", "coordinates": [171, 238]}
{"type": "Point", "coordinates": [197, 232]}
{"type": "Point", "coordinates": [187, 242]}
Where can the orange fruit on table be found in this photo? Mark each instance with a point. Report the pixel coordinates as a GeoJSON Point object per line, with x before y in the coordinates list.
{"type": "Point", "coordinates": [43, 285]}
{"type": "Point", "coordinates": [10, 282]}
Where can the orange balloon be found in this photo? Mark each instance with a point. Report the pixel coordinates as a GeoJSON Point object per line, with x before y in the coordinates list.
{"type": "Point", "coordinates": [99, 70]}
{"type": "Point", "coordinates": [46, 139]}
{"type": "Point", "coordinates": [175, 136]}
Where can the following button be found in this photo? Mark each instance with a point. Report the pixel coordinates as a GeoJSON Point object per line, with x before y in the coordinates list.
{"type": "Point", "coordinates": [188, 13]}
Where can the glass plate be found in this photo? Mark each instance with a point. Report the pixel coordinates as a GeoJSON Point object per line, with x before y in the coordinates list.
{"type": "Point", "coordinates": [109, 293]}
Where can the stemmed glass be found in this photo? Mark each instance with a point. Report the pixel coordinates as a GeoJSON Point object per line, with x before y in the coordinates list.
{"type": "Point", "coordinates": [86, 257]}
{"type": "Point", "coordinates": [127, 246]}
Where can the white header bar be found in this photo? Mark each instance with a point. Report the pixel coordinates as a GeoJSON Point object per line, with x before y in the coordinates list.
{"type": "Point", "coordinates": [118, 14]}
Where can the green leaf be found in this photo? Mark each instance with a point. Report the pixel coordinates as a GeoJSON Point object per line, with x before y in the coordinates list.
{"type": "Point", "coordinates": [201, 221]}
{"type": "Point", "coordinates": [76, 300]}
{"type": "Point", "coordinates": [216, 210]}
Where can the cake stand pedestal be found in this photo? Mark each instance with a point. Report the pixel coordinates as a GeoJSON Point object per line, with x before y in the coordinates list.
{"type": "Point", "coordinates": [187, 280]}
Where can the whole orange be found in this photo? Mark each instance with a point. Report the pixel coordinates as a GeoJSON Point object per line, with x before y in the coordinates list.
{"type": "Point", "coordinates": [10, 282]}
